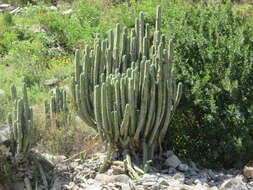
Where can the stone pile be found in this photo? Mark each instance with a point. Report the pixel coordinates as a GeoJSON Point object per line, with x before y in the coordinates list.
{"type": "Point", "coordinates": [177, 176]}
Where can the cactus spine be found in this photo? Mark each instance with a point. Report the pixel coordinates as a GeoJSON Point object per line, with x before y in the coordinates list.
{"type": "Point", "coordinates": [129, 93]}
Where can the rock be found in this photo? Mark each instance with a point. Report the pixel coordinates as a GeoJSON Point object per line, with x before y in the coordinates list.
{"type": "Point", "coordinates": [172, 160]}
{"type": "Point", "coordinates": [172, 171]}
{"type": "Point", "coordinates": [67, 12]}
{"type": "Point", "coordinates": [164, 182]}
{"type": "Point", "coordinates": [179, 177]}
{"type": "Point", "coordinates": [4, 6]}
{"type": "Point", "coordinates": [94, 187]}
{"type": "Point", "coordinates": [248, 170]}
{"type": "Point", "coordinates": [53, 159]}
{"type": "Point", "coordinates": [193, 166]}
{"type": "Point", "coordinates": [150, 177]}
{"type": "Point", "coordinates": [105, 179]}
{"type": "Point", "coordinates": [121, 178]}
{"type": "Point", "coordinates": [51, 82]}
{"type": "Point", "coordinates": [115, 170]}
{"type": "Point", "coordinates": [52, 8]}
{"type": "Point", "coordinates": [183, 167]}
{"type": "Point", "coordinates": [4, 133]}
{"type": "Point", "coordinates": [2, 92]}
{"type": "Point", "coordinates": [234, 184]}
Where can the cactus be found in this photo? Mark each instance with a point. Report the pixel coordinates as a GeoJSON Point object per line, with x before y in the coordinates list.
{"type": "Point", "coordinates": [21, 122]}
{"type": "Point", "coordinates": [56, 111]}
{"type": "Point", "coordinates": [126, 89]}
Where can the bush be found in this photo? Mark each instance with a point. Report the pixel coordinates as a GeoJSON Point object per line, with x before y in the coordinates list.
{"type": "Point", "coordinates": [213, 56]}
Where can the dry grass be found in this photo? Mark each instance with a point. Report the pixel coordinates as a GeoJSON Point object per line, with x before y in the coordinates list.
{"type": "Point", "coordinates": [67, 139]}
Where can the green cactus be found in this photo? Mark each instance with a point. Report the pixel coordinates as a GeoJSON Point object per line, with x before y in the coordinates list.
{"type": "Point", "coordinates": [21, 122]}
{"type": "Point", "coordinates": [56, 112]}
{"type": "Point", "coordinates": [126, 89]}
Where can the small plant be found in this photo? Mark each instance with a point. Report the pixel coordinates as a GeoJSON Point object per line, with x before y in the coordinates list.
{"type": "Point", "coordinates": [7, 19]}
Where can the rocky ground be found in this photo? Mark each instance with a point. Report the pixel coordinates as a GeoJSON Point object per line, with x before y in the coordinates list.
{"type": "Point", "coordinates": [81, 173]}
{"type": "Point", "coordinates": [177, 176]}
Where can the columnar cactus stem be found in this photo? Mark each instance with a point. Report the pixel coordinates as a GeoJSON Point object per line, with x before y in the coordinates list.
{"type": "Point", "coordinates": [56, 112]}
{"type": "Point", "coordinates": [126, 87]}
{"type": "Point", "coordinates": [21, 121]}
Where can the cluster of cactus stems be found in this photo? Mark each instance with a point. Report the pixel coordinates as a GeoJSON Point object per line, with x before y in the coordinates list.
{"type": "Point", "coordinates": [125, 87]}
{"type": "Point", "coordinates": [21, 122]}
{"type": "Point", "coordinates": [56, 111]}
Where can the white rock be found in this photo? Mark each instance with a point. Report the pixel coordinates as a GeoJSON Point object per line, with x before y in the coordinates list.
{"type": "Point", "coordinates": [67, 12]}
{"type": "Point", "coordinates": [5, 5]}
{"type": "Point", "coordinates": [52, 8]}
{"type": "Point", "coordinates": [4, 133]}
{"type": "Point", "coordinates": [2, 92]}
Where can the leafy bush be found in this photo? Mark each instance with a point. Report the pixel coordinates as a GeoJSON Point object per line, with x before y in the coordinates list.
{"type": "Point", "coordinates": [213, 56]}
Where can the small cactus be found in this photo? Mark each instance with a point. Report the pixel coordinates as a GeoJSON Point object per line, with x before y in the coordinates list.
{"type": "Point", "coordinates": [56, 111]}
{"type": "Point", "coordinates": [21, 122]}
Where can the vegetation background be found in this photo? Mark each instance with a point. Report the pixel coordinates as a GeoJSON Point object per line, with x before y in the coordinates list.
{"type": "Point", "coordinates": [213, 56]}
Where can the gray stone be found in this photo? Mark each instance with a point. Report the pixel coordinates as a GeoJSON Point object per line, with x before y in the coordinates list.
{"type": "Point", "coordinates": [183, 167]}
{"type": "Point", "coordinates": [52, 158]}
{"type": "Point", "coordinates": [193, 166]}
{"type": "Point", "coordinates": [172, 161]}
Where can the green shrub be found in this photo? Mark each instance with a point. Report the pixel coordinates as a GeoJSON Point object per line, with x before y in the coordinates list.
{"type": "Point", "coordinates": [213, 56]}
